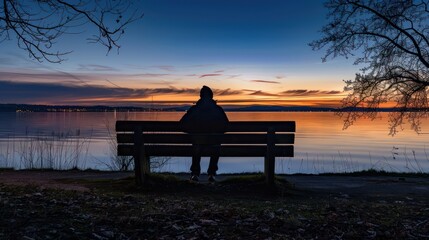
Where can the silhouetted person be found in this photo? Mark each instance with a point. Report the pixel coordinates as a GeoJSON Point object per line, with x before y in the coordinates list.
{"type": "Point", "coordinates": [205, 117]}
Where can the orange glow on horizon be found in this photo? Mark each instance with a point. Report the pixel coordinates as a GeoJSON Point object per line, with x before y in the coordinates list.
{"type": "Point", "coordinates": [229, 100]}
{"type": "Point", "coordinates": [232, 100]}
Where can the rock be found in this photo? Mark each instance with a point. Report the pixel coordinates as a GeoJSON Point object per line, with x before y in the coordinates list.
{"type": "Point", "coordinates": [193, 227]}
{"type": "Point", "coordinates": [96, 236]}
{"type": "Point", "coordinates": [128, 198]}
{"type": "Point", "coordinates": [108, 234]}
{"type": "Point", "coordinates": [176, 227]}
{"type": "Point", "coordinates": [371, 234]}
{"type": "Point", "coordinates": [30, 229]}
{"type": "Point", "coordinates": [344, 195]}
{"type": "Point", "coordinates": [208, 222]}
{"type": "Point", "coordinates": [204, 234]}
{"type": "Point", "coordinates": [263, 228]}
{"type": "Point", "coordinates": [282, 211]}
{"type": "Point", "coordinates": [269, 215]}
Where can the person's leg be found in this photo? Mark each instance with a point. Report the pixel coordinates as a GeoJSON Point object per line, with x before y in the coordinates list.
{"type": "Point", "coordinates": [214, 159]}
{"type": "Point", "coordinates": [196, 159]}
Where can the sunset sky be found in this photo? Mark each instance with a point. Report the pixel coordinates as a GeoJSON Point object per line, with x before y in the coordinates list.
{"type": "Point", "coordinates": [248, 52]}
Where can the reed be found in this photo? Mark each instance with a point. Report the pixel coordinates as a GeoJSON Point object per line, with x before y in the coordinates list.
{"type": "Point", "coordinates": [401, 160]}
{"type": "Point", "coordinates": [116, 163]}
{"type": "Point", "coordinates": [59, 150]}
{"type": "Point", "coordinates": [126, 163]}
{"type": "Point", "coordinates": [7, 153]}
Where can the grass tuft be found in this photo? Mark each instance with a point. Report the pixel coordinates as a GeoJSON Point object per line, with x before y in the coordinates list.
{"type": "Point", "coordinates": [242, 178]}
{"type": "Point", "coordinates": [377, 173]}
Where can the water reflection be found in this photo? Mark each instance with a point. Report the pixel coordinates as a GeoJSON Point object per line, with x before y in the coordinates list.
{"type": "Point", "coordinates": [321, 144]}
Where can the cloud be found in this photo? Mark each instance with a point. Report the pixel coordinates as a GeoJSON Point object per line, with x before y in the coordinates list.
{"type": "Point", "coordinates": [306, 92]}
{"type": "Point", "coordinates": [210, 75]}
{"type": "Point", "coordinates": [149, 75]}
{"type": "Point", "coordinates": [160, 82]}
{"type": "Point", "coordinates": [225, 92]}
{"type": "Point", "coordinates": [101, 78]}
{"type": "Point", "coordinates": [56, 93]}
{"type": "Point", "coordinates": [262, 93]}
{"type": "Point", "coordinates": [30, 92]}
{"type": "Point", "coordinates": [333, 92]}
{"type": "Point", "coordinates": [284, 102]}
{"type": "Point", "coordinates": [96, 68]}
{"type": "Point", "coordinates": [171, 90]}
{"type": "Point", "coordinates": [168, 68]}
{"type": "Point", "coordinates": [233, 76]}
{"type": "Point", "coordinates": [265, 81]}
{"type": "Point", "coordinates": [200, 65]}
{"type": "Point", "coordinates": [292, 93]}
{"type": "Point", "coordinates": [46, 76]}
{"type": "Point", "coordinates": [297, 92]}
{"type": "Point", "coordinates": [280, 77]}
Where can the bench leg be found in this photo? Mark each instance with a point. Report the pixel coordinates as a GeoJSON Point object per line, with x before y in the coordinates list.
{"type": "Point", "coordinates": [141, 169]}
{"type": "Point", "coordinates": [138, 170]}
{"type": "Point", "coordinates": [141, 160]}
{"type": "Point", "coordinates": [269, 165]}
{"type": "Point", "coordinates": [145, 169]}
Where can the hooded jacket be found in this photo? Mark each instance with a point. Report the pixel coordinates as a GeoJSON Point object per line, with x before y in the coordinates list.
{"type": "Point", "coordinates": [204, 117]}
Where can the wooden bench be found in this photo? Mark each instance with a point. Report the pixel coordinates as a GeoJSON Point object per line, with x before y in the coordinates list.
{"type": "Point", "coordinates": [143, 139]}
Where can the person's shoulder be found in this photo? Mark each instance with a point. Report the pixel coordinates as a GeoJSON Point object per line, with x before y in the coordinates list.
{"type": "Point", "coordinates": [219, 107]}
{"type": "Point", "coordinates": [192, 107]}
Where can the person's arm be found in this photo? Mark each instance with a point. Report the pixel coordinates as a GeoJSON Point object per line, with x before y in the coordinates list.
{"type": "Point", "coordinates": [222, 114]}
{"type": "Point", "coordinates": [185, 122]}
{"type": "Point", "coordinates": [223, 119]}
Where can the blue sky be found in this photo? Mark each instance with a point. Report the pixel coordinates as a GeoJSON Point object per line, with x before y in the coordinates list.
{"type": "Point", "coordinates": [251, 52]}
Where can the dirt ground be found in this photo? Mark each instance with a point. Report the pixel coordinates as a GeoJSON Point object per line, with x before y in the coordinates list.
{"type": "Point", "coordinates": [353, 186]}
{"type": "Point", "coordinates": [108, 205]}
{"type": "Point", "coordinates": [52, 179]}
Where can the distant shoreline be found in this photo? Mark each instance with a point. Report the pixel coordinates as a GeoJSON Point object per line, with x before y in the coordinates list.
{"type": "Point", "coordinates": [254, 108]}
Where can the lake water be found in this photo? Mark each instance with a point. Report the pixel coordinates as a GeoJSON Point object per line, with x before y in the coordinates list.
{"type": "Point", "coordinates": [68, 139]}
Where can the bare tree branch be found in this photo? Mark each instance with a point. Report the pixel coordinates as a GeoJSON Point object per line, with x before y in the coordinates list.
{"type": "Point", "coordinates": [38, 25]}
{"type": "Point", "coordinates": [391, 37]}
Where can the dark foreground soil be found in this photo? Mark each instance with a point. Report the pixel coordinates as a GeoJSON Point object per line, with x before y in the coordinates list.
{"type": "Point", "coordinates": [96, 206]}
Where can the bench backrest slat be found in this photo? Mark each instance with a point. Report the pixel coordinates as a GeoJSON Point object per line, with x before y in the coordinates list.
{"type": "Point", "coordinates": [177, 138]}
{"type": "Point", "coordinates": [242, 139]}
{"type": "Point", "coordinates": [225, 151]}
{"type": "Point", "coordinates": [235, 126]}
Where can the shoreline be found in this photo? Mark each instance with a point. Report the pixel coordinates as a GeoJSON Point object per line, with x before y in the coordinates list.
{"type": "Point", "coordinates": [359, 184]}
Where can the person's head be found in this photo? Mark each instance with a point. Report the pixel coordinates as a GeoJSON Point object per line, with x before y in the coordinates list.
{"type": "Point", "coordinates": [206, 93]}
